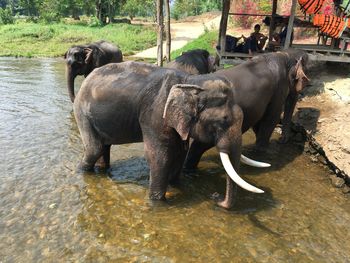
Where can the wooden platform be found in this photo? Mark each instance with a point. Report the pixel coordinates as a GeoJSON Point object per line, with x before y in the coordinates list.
{"type": "Point", "coordinates": [316, 53]}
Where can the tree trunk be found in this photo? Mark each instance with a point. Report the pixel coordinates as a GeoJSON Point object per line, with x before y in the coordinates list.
{"type": "Point", "coordinates": [160, 19]}
{"type": "Point", "coordinates": [167, 30]}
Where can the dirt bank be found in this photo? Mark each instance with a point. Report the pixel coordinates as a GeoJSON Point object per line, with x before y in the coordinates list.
{"type": "Point", "coordinates": [324, 111]}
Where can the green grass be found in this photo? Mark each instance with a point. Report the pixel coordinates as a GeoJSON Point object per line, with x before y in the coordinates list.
{"type": "Point", "coordinates": [27, 39]}
{"type": "Point", "coordinates": [207, 41]}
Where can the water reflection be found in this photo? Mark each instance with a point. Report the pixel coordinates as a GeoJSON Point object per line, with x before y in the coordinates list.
{"type": "Point", "coordinates": [51, 213]}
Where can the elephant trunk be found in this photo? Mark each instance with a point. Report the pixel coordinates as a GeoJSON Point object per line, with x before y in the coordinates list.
{"type": "Point", "coordinates": [229, 147]}
{"type": "Point", "coordinates": [70, 82]}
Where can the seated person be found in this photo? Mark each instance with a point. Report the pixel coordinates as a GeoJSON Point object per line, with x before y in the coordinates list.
{"type": "Point", "coordinates": [254, 43]}
{"type": "Point", "coordinates": [258, 37]}
{"type": "Point", "coordinates": [280, 38]}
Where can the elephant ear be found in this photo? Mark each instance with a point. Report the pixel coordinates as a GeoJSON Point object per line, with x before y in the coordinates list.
{"type": "Point", "coordinates": [88, 55]}
{"type": "Point", "coordinates": [299, 76]}
{"type": "Point", "coordinates": [211, 64]}
{"type": "Point", "coordinates": [181, 108]}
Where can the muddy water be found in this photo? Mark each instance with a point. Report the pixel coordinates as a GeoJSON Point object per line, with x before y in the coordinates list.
{"type": "Point", "coordinates": [51, 213]}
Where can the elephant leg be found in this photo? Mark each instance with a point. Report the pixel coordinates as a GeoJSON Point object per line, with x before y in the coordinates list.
{"type": "Point", "coordinates": [268, 123]}
{"type": "Point", "coordinates": [197, 149]}
{"type": "Point", "coordinates": [177, 167]}
{"type": "Point", "coordinates": [104, 161]}
{"type": "Point", "coordinates": [289, 107]}
{"type": "Point", "coordinates": [230, 195]}
{"type": "Point", "coordinates": [93, 147]}
{"type": "Point", "coordinates": [256, 128]}
{"type": "Point", "coordinates": [163, 166]}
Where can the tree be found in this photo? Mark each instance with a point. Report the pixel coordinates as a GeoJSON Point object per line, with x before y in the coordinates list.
{"type": "Point", "coordinates": [183, 8]}
{"type": "Point", "coordinates": [160, 29]}
{"type": "Point", "coordinates": [167, 30]}
{"type": "Point", "coordinates": [133, 8]}
{"type": "Point", "coordinates": [30, 7]}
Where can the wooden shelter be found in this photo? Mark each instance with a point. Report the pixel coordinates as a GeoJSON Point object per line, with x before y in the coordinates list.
{"type": "Point", "coordinates": [329, 49]}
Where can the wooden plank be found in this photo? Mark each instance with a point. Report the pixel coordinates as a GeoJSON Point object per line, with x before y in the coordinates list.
{"type": "Point", "coordinates": [320, 57]}
{"type": "Point", "coordinates": [235, 54]}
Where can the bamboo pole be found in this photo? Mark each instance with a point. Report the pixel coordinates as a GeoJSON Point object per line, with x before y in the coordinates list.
{"type": "Point", "coordinates": [290, 25]}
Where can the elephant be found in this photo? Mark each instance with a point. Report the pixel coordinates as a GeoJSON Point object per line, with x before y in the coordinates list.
{"type": "Point", "coordinates": [263, 87]}
{"type": "Point", "coordinates": [196, 61]}
{"type": "Point", "coordinates": [132, 102]}
{"type": "Point", "coordinates": [82, 59]}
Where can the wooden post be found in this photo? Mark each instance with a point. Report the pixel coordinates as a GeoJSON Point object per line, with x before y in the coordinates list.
{"type": "Point", "coordinates": [290, 25]}
{"type": "Point", "coordinates": [223, 24]}
{"type": "Point", "coordinates": [167, 31]}
{"type": "Point", "coordinates": [160, 29]}
{"type": "Point", "coordinates": [272, 20]}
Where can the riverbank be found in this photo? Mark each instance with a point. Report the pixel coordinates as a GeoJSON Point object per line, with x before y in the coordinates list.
{"type": "Point", "coordinates": [324, 112]}
{"type": "Point", "coordinates": [28, 39]}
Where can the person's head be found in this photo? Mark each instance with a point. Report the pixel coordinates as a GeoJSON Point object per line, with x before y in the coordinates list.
{"type": "Point", "coordinates": [276, 37]}
{"type": "Point", "coordinates": [257, 28]}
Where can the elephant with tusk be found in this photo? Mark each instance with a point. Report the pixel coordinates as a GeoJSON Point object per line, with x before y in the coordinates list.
{"type": "Point", "coordinates": [82, 59]}
{"type": "Point", "coordinates": [132, 102]}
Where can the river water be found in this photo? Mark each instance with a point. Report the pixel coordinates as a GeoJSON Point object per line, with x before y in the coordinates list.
{"type": "Point", "coordinates": [51, 213]}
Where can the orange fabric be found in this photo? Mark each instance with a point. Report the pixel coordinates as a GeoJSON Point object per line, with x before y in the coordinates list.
{"type": "Point", "coordinates": [311, 6]}
{"type": "Point", "coordinates": [331, 25]}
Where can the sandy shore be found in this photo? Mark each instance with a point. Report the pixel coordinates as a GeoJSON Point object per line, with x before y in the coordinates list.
{"type": "Point", "coordinates": [324, 111]}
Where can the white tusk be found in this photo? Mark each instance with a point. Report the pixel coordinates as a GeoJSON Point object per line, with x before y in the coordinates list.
{"type": "Point", "coordinates": [246, 160]}
{"type": "Point", "coordinates": [225, 159]}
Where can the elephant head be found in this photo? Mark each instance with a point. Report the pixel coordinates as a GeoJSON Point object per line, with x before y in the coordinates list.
{"type": "Point", "coordinates": [197, 61]}
{"type": "Point", "coordinates": [297, 77]}
{"type": "Point", "coordinates": [209, 115]}
{"type": "Point", "coordinates": [297, 82]}
{"type": "Point", "coordinates": [79, 61]}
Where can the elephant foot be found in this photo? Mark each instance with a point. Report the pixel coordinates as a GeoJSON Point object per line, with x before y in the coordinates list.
{"type": "Point", "coordinates": [85, 167]}
{"type": "Point", "coordinates": [102, 166]}
{"type": "Point", "coordinates": [157, 196]}
{"type": "Point", "coordinates": [225, 204]}
{"type": "Point", "coordinates": [222, 202]}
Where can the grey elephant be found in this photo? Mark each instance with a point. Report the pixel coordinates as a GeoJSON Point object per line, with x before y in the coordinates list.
{"type": "Point", "coordinates": [263, 87]}
{"type": "Point", "coordinates": [82, 59]}
{"type": "Point", "coordinates": [196, 61]}
{"type": "Point", "coordinates": [132, 102]}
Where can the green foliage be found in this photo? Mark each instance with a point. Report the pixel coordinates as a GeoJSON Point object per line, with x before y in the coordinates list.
{"type": "Point", "coordinates": [134, 8]}
{"type": "Point", "coordinates": [184, 8]}
{"type": "Point", "coordinates": [265, 6]}
{"type": "Point", "coordinates": [207, 41]}
{"type": "Point", "coordinates": [43, 40]}
{"type": "Point", "coordinates": [6, 16]}
{"type": "Point", "coordinates": [94, 22]}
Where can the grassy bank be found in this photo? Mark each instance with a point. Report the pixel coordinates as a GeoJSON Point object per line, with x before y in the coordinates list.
{"type": "Point", "coordinates": [42, 40]}
{"type": "Point", "coordinates": [207, 41]}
